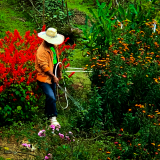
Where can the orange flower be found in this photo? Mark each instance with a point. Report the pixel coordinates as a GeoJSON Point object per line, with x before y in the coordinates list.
{"type": "Point", "coordinates": [108, 152]}
{"type": "Point", "coordinates": [144, 111]}
{"type": "Point", "coordinates": [130, 110]}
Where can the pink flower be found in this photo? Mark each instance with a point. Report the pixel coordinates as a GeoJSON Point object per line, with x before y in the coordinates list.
{"type": "Point", "coordinates": [52, 126]}
{"type": "Point", "coordinates": [48, 157]}
{"type": "Point", "coordinates": [41, 133]}
{"type": "Point", "coordinates": [24, 145]}
{"type": "Point", "coordinates": [70, 132]}
{"type": "Point", "coordinates": [115, 143]}
{"type": "Point", "coordinates": [73, 140]}
{"type": "Point", "coordinates": [61, 135]}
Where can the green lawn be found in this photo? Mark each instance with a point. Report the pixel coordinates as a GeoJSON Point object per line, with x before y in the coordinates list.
{"type": "Point", "coordinates": [11, 19]}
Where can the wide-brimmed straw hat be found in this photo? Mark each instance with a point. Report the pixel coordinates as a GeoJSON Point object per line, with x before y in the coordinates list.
{"type": "Point", "coordinates": [51, 36]}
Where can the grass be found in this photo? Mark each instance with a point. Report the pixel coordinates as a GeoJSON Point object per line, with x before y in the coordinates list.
{"type": "Point", "coordinates": [80, 6]}
{"type": "Point", "coordinates": [11, 19]}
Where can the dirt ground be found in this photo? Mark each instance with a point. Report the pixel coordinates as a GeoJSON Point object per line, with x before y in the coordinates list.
{"type": "Point", "coordinates": [15, 147]}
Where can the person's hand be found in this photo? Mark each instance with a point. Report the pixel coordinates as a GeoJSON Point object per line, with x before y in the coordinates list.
{"type": "Point", "coordinates": [55, 80]}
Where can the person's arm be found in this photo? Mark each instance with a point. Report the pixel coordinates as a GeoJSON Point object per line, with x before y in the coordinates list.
{"type": "Point", "coordinates": [55, 79]}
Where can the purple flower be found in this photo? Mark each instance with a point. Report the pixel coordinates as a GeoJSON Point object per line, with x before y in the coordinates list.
{"type": "Point", "coordinates": [29, 145]}
{"type": "Point", "coordinates": [58, 126]}
{"type": "Point", "coordinates": [70, 132]}
{"type": "Point", "coordinates": [41, 133]}
{"type": "Point", "coordinates": [50, 155]}
{"type": "Point", "coordinates": [46, 158]}
{"type": "Point", "coordinates": [24, 145]}
{"type": "Point", "coordinates": [52, 126]}
{"type": "Point", "coordinates": [61, 135]}
{"type": "Point", "coordinates": [67, 137]}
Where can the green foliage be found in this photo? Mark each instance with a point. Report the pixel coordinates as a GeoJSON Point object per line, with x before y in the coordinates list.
{"type": "Point", "coordinates": [125, 62]}
{"type": "Point", "coordinates": [18, 107]}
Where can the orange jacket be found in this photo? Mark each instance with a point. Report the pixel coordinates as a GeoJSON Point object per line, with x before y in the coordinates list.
{"type": "Point", "coordinates": [44, 63]}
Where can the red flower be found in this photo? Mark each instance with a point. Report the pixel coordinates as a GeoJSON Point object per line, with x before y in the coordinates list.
{"type": "Point", "coordinates": [44, 28]}
{"type": "Point", "coordinates": [64, 60]}
{"type": "Point", "coordinates": [115, 143]}
{"type": "Point", "coordinates": [1, 44]}
{"type": "Point", "coordinates": [14, 99]}
{"type": "Point", "coordinates": [71, 74]}
{"type": "Point", "coordinates": [66, 39]}
{"type": "Point", "coordinates": [27, 97]}
{"type": "Point", "coordinates": [22, 79]}
{"type": "Point", "coordinates": [12, 95]}
{"type": "Point", "coordinates": [37, 88]}
{"type": "Point", "coordinates": [1, 89]}
{"type": "Point", "coordinates": [67, 65]}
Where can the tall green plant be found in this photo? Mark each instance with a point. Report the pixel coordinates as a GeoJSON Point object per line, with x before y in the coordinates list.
{"type": "Point", "coordinates": [99, 35]}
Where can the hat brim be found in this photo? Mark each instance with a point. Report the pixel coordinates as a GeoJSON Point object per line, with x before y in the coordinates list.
{"type": "Point", "coordinates": [52, 40]}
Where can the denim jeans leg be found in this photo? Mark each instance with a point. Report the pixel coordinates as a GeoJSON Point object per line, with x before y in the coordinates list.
{"type": "Point", "coordinates": [50, 105]}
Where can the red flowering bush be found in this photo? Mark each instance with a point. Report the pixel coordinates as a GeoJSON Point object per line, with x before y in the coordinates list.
{"type": "Point", "coordinates": [17, 73]}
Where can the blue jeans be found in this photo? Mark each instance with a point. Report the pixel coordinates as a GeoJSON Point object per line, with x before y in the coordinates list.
{"type": "Point", "coordinates": [50, 92]}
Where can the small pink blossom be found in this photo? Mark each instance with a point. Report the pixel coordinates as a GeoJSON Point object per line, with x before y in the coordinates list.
{"type": "Point", "coordinates": [61, 135]}
{"type": "Point", "coordinates": [70, 132]}
{"type": "Point", "coordinates": [73, 140]}
{"type": "Point", "coordinates": [115, 142]}
{"type": "Point", "coordinates": [24, 145]}
{"type": "Point", "coordinates": [46, 157]}
{"type": "Point", "coordinates": [52, 126]}
{"type": "Point", "coordinates": [41, 133]}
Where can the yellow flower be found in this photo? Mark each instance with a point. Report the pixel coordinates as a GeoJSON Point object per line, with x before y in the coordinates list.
{"type": "Point", "coordinates": [159, 145]}
{"type": "Point", "coordinates": [153, 144]}
{"type": "Point", "coordinates": [108, 152]}
{"type": "Point", "coordinates": [6, 148]}
{"type": "Point", "coordinates": [87, 65]}
{"type": "Point", "coordinates": [158, 113]}
{"type": "Point", "coordinates": [142, 106]}
{"type": "Point", "coordinates": [146, 75]}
